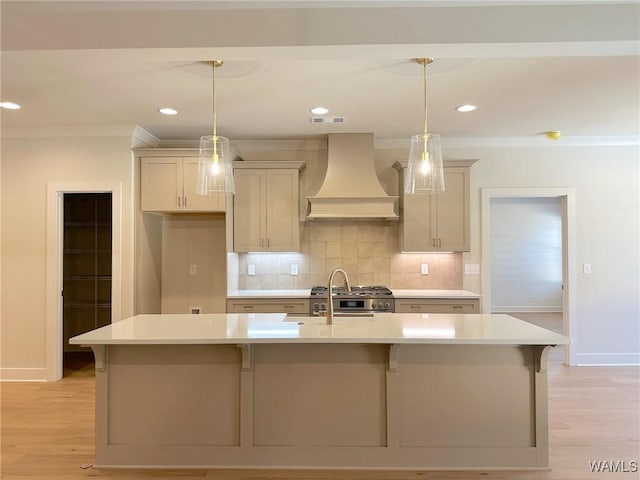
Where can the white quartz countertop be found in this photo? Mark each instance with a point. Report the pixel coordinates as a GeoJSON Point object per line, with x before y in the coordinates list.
{"type": "Point", "coordinates": [490, 329]}
{"type": "Point", "coordinates": [398, 293]}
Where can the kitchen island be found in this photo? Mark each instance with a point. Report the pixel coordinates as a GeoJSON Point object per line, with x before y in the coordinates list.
{"type": "Point", "coordinates": [415, 391]}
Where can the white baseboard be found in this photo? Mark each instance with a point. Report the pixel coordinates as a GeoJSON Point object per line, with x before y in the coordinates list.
{"type": "Point", "coordinates": [607, 359]}
{"type": "Point", "coordinates": [23, 374]}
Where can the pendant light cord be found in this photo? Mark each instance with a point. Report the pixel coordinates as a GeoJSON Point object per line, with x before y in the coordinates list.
{"type": "Point", "coordinates": [213, 96]}
{"type": "Point", "coordinates": [424, 67]}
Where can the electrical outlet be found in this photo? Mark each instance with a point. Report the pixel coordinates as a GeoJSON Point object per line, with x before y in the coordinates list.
{"type": "Point", "coordinates": [586, 268]}
{"type": "Point", "coordinates": [251, 269]}
{"type": "Point", "coordinates": [424, 269]}
{"type": "Point", "coordinates": [193, 269]}
{"type": "Point", "coordinates": [294, 269]}
{"type": "Point", "coordinates": [195, 310]}
{"type": "Point", "coordinates": [471, 269]}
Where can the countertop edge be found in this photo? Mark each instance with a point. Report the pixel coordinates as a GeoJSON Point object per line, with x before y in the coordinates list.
{"type": "Point", "coordinates": [351, 341]}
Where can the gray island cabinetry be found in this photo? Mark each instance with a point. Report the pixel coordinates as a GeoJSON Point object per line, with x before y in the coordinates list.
{"type": "Point", "coordinates": [415, 391]}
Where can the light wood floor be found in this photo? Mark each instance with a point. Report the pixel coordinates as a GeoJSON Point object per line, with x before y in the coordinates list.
{"type": "Point", "coordinates": [47, 431]}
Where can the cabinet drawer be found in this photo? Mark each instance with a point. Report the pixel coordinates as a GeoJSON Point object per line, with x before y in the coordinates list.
{"type": "Point", "coordinates": [268, 306]}
{"type": "Point", "coordinates": [437, 306]}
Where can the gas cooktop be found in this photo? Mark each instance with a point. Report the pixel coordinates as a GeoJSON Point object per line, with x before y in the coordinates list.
{"type": "Point", "coordinates": [371, 291]}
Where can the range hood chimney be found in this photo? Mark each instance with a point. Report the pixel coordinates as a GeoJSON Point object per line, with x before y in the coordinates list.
{"type": "Point", "coordinates": [351, 188]}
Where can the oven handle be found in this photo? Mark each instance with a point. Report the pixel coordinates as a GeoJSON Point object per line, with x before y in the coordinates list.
{"type": "Point", "coordinates": [342, 313]}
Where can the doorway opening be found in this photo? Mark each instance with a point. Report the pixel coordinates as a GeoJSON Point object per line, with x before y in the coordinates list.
{"type": "Point", "coordinates": [528, 256]}
{"type": "Point", "coordinates": [526, 260]}
{"type": "Point", "coordinates": [79, 267]}
{"type": "Point", "coordinates": [86, 277]}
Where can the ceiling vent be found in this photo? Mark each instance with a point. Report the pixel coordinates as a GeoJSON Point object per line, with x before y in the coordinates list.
{"type": "Point", "coordinates": [328, 119]}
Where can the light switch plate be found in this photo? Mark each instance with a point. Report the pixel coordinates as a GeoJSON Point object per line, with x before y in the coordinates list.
{"type": "Point", "coordinates": [251, 269]}
{"type": "Point", "coordinates": [586, 268]}
{"type": "Point", "coordinates": [193, 269]}
{"type": "Point", "coordinates": [424, 269]}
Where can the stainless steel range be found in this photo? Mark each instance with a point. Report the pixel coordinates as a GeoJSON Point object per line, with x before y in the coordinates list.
{"type": "Point", "coordinates": [361, 300]}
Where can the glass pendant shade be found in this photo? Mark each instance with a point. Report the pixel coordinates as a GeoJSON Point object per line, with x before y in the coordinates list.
{"type": "Point", "coordinates": [425, 172]}
{"type": "Point", "coordinates": [215, 168]}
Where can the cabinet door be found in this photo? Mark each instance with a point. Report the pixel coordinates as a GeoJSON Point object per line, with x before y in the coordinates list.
{"type": "Point", "coordinates": [161, 184]}
{"type": "Point", "coordinates": [193, 202]}
{"type": "Point", "coordinates": [418, 229]}
{"type": "Point", "coordinates": [249, 222]}
{"type": "Point", "coordinates": [283, 230]}
{"type": "Point", "coordinates": [452, 217]}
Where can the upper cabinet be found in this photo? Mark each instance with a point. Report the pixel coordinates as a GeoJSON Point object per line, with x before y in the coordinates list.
{"type": "Point", "coordinates": [168, 184]}
{"type": "Point", "coordinates": [437, 222]}
{"type": "Point", "coordinates": [266, 215]}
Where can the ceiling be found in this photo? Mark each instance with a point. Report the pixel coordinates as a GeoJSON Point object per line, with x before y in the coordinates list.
{"type": "Point", "coordinates": [530, 67]}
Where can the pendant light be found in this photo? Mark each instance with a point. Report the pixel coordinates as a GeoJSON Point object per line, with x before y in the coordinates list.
{"type": "Point", "coordinates": [215, 168]}
{"type": "Point", "coordinates": [425, 170]}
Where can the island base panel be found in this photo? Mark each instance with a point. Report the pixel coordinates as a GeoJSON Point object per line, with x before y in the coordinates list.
{"type": "Point", "coordinates": [322, 406]}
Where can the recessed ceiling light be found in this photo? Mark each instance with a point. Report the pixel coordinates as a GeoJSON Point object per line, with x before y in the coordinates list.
{"type": "Point", "coordinates": [319, 110]}
{"type": "Point", "coordinates": [10, 105]}
{"type": "Point", "coordinates": [466, 108]}
{"type": "Point", "coordinates": [168, 111]}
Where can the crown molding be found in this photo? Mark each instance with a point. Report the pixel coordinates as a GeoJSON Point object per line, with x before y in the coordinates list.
{"type": "Point", "coordinates": [89, 131]}
{"type": "Point", "coordinates": [255, 145]}
{"type": "Point", "coordinates": [518, 142]}
{"type": "Point", "coordinates": [142, 138]}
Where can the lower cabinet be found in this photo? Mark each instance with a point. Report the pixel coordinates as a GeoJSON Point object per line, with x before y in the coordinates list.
{"type": "Point", "coordinates": [270, 305]}
{"type": "Point", "coordinates": [420, 305]}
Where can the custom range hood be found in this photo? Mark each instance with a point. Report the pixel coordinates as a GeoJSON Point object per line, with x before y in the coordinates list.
{"type": "Point", "coordinates": [351, 188]}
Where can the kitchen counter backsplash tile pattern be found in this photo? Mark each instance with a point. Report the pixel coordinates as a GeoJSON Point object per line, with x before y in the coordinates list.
{"type": "Point", "coordinates": [367, 250]}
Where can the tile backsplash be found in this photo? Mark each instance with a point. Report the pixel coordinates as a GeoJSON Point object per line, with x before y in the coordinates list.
{"type": "Point", "coordinates": [367, 250]}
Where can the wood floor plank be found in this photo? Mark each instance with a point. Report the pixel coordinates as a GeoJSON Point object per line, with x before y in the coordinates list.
{"type": "Point", "coordinates": [47, 432]}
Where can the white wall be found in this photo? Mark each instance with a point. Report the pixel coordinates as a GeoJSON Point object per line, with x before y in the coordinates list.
{"type": "Point", "coordinates": [606, 182]}
{"type": "Point", "coordinates": [526, 254]}
{"type": "Point", "coordinates": [28, 164]}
